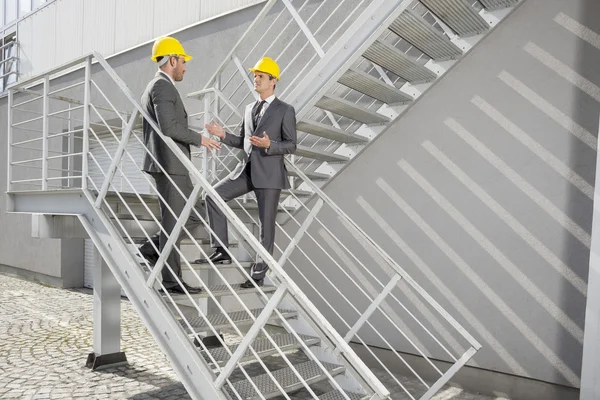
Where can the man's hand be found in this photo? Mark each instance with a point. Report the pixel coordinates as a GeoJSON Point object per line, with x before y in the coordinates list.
{"type": "Point", "coordinates": [215, 129]}
{"type": "Point", "coordinates": [263, 142]}
{"type": "Point", "coordinates": [210, 144]}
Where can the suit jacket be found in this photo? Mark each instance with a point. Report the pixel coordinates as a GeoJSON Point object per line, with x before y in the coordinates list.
{"type": "Point", "coordinates": [162, 101]}
{"type": "Point", "coordinates": [267, 168]}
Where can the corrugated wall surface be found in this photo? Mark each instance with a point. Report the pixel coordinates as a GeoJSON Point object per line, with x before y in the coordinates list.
{"type": "Point", "coordinates": [67, 29]}
{"type": "Point", "coordinates": [483, 192]}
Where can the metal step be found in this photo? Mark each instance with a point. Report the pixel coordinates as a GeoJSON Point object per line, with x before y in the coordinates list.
{"type": "Point", "coordinates": [335, 395]}
{"type": "Point", "coordinates": [491, 5]}
{"type": "Point", "coordinates": [392, 59]}
{"type": "Point", "coordinates": [329, 132]}
{"type": "Point", "coordinates": [206, 241]}
{"type": "Point", "coordinates": [350, 110]}
{"type": "Point", "coordinates": [458, 15]}
{"type": "Point", "coordinates": [220, 290]}
{"type": "Point", "coordinates": [310, 372]}
{"type": "Point", "coordinates": [152, 201]}
{"type": "Point", "coordinates": [303, 151]}
{"type": "Point", "coordinates": [207, 267]}
{"type": "Point", "coordinates": [240, 318]}
{"type": "Point", "coordinates": [315, 176]}
{"type": "Point", "coordinates": [373, 87]}
{"type": "Point", "coordinates": [299, 193]}
{"type": "Point", "coordinates": [421, 34]}
{"type": "Point", "coordinates": [263, 348]}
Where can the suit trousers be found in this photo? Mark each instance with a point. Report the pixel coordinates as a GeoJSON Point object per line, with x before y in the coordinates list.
{"type": "Point", "coordinates": [267, 199]}
{"type": "Point", "coordinates": [177, 202]}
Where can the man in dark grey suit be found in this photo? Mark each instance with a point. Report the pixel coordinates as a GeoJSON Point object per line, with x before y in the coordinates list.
{"type": "Point", "coordinates": [162, 101]}
{"type": "Point", "coordinates": [268, 133]}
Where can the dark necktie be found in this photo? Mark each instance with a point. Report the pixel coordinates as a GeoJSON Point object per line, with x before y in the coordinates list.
{"type": "Point", "coordinates": [256, 115]}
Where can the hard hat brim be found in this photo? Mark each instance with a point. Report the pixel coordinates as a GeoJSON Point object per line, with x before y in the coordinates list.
{"type": "Point", "coordinates": [185, 57]}
{"type": "Point", "coordinates": [254, 70]}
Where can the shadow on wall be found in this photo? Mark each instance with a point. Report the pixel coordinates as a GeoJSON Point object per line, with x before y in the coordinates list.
{"type": "Point", "coordinates": [585, 112]}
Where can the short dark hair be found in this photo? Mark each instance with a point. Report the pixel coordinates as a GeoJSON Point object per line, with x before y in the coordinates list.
{"type": "Point", "coordinates": [159, 58]}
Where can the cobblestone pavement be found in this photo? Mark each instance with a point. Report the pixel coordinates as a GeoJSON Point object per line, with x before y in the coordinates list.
{"type": "Point", "coordinates": [46, 334]}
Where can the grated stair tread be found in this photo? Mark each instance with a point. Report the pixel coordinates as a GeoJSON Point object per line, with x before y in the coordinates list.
{"type": "Point", "coordinates": [350, 110]}
{"type": "Point", "coordinates": [315, 176]}
{"type": "Point", "coordinates": [421, 34]}
{"type": "Point", "coordinates": [304, 151]}
{"type": "Point", "coordinates": [240, 318]}
{"type": "Point", "coordinates": [299, 193]}
{"type": "Point", "coordinates": [310, 372]}
{"type": "Point", "coordinates": [208, 267]}
{"type": "Point", "coordinates": [222, 290]}
{"type": "Point", "coordinates": [373, 87]}
{"type": "Point", "coordinates": [263, 347]}
{"type": "Point", "coordinates": [491, 5]}
{"type": "Point", "coordinates": [329, 132]}
{"type": "Point", "coordinates": [463, 19]}
{"type": "Point", "coordinates": [335, 395]}
{"type": "Point", "coordinates": [395, 61]}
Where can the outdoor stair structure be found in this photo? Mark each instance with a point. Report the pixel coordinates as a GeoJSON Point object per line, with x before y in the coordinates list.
{"type": "Point", "coordinates": [349, 68]}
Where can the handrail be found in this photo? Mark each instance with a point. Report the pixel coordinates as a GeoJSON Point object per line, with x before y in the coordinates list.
{"type": "Point", "coordinates": [279, 272]}
{"type": "Point", "coordinates": [384, 255]}
{"type": "Point", "coordinates": [257, 19]}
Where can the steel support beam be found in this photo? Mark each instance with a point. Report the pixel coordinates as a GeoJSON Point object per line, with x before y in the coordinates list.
{"type": "Point", "coordinates": [369, 25]}
{"type": "Point", "coordinates": [107, 320]}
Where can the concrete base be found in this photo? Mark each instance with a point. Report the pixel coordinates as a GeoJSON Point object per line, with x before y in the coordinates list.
{"type": "Point", "coordinates": [31, 276]}
{"type": "Point", "coordinates": [95, 361]}
{"type": "Point", "coordinates": [471, 379]}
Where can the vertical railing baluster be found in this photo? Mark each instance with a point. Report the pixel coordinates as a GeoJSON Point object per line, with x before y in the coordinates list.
{"type": "Point", "coordinates": [86, 123]}
{"type": "Point", "coordinates": [45, 126]}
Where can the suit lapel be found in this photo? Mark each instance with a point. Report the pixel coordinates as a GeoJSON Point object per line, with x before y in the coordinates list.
{"type": "Point", "coordinates": [271, 110]}
{"type": "Point", "coordinates": [164, 76]}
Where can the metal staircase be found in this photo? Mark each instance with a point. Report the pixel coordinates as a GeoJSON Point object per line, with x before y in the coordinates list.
{"type": "Point", "coordinates": [349, 68]}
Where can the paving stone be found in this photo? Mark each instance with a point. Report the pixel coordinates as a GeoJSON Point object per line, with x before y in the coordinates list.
{"type": "Point", "coordinates": [47, 333]}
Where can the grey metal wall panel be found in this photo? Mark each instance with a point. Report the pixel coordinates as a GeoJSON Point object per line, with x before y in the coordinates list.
{"type": "Point", "coordinates": [168, 18]}
{"type": "Point", "coordinates": [484, 187]}
{"type": "Point", "coordinates": [44, 26]}
{"type": "Point", "coordinates": [67, 28]}
{"type": "Point", "coordinates": [69, 31]}
{"type": "Point", "coordinates": [26, 43]}
{"type": "Point", "coordinates": [211, 9]}
{"type": "Point", "coordinates": [132, 31]}
{"type": "Point", "coordinates": [99, 22]}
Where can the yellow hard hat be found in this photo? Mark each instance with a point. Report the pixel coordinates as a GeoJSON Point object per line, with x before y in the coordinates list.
{"type": "Point", "coordinates": [268, 66]}
{"type": "Point", "coordinates": [168, 46]}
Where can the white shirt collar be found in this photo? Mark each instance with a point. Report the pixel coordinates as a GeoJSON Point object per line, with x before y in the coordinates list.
{"type": "Point", "coordinates": [269, 99]}
{"type": "Point", "coordinates": [167, 75]}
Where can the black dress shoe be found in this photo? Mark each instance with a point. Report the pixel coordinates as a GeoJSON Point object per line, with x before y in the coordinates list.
{"type": "Point", "coordinates": [218, 257]}
{"type": "Point", "coordinates": [177, 289]}
{"type": "Point", "coordinates": [148, 252]}
{"type": "Point", "coordinates": [249, 285]}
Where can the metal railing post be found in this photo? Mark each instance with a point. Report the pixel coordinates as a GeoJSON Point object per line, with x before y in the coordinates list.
{"type": "Point", "coordinates": [260, 322]}
{"type": "Point", "coordinates": [303, 228]}
{"type": "Point", "coordinates": [116, 159]}
{"type": "Point", "coordinates": [174, 235]}
{"type": "Point", "coordinates": [45, 126]}
{"type": "Point", "coordinates": [371, 309]}
{"type": "Point", "coordinates": [86, 122]}
{"type": "Point", "coordinates": [207, 153]}
{"type": "Point", "coordinates": [244, 75]}
{"type": "Point", "coordinates": [304, 28]}
{"type": "Point", "coordinates": [9, 141]}
{"type": "Point", "coordinates": [216, 105]}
